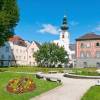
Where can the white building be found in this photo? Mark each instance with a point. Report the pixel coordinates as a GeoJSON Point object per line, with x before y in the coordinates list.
{"type": "Point", "coordinates": [18, 52]}
{"type": "Point", "coordinates": [32, 47]}
{"type": "Point", "coordinates": [64, 41]}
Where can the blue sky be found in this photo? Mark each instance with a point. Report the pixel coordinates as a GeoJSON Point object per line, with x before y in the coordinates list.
{"type": "Point", "coordinates": [40, 20]}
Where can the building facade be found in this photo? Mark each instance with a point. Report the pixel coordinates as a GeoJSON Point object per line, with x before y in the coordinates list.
{"type": "Point", "coordinates": [64, 41]}
{"type": "Point", "coordinates": [88, 50]}
{"type": "Point", "coordinates": [18, 52]}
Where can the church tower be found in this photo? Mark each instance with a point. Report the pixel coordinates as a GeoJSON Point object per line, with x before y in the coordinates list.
{"type": "Point", "coordinates": [64, 34]}
{"type": "Point", "coordinates": [64, 40]}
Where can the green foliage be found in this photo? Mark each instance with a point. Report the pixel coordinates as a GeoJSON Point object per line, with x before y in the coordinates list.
{"type": "Point", "coordinates": [50, 54]}
{"type": "Point", "coordinates": [9, 17]}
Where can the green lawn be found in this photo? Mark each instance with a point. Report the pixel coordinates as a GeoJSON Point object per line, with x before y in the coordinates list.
{"type": "Point", "coordinates": [41, 86]}
{"type": "Point", "coordinates": [86, 71]}
{"type": "Point", "coordinates": [92, 94]}
{"type": "Point", "coordinates": [31, 69]}
{"type": "Point", "coordinates": [77, 71]}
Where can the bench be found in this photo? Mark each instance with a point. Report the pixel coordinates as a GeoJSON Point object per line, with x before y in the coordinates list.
{"type": "Point", "coordinates": [39, 75]}
{"type": "Point", "coordinates": [53, 79]}
{"type": "Point", "coordinates": [48, 78]}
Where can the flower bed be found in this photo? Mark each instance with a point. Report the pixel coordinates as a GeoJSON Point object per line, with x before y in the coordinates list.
{"type": "Point", "coordinates": [20, 85]}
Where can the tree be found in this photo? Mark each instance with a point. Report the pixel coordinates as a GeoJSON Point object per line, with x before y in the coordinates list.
{"type": "Point", "coordinates": [51, 55]}
{"type": "Point", "coordinates": [9, 18]}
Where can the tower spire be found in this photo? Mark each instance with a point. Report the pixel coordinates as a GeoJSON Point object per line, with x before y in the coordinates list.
{"type": "Point", "coordinates": [64, 25]}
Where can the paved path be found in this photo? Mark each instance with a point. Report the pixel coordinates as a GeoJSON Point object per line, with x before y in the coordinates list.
{"type": "Point", "coordinates": [72, 89]}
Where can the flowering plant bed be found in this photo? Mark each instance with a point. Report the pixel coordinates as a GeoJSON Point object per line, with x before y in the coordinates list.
{"type": "Point", "coordinates": [20, 85]}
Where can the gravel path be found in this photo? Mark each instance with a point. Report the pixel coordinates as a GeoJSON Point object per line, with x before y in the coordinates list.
{"type": "Point", "coordinates": [72, 89]}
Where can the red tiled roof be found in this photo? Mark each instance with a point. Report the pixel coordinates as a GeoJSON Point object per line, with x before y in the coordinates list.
{"type": "Point", "coordinates": [17, 40]}
{"type": "Point", "coordinates": [14, 38]}
{"type": "Point", "coordinates": [89, 36]}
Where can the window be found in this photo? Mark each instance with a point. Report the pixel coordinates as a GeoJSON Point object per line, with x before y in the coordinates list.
{"type": "Point", "coordinates": [98, 64]}
{"type": "Point", "coordinates": [32, 49]}
{"type": "Point", "coordinates": [85, 45]}
{"type": "Point", "coordinates": [63, 36]}
{"type": "Point", "coordinates": [16, 57]}
{"type": "Point", "coordinates": [88, 45]}
{"type": "Point", "coordinates": [12, 49]}
{"type": "Point", "coordinates": [97, 44]}
{"type": "Point", "coordinates": [7, 49]}
{"type": "Point", "coordinates": [2, 57]}
{"type": "Point", "coordinates": [9, 57]}
{"type": "Point", "coordinates": [73, 56]}
{"type": "Point", "coordinates": [30, 63]}
{"type": "Point", "coordinates": [97, 54]}
{"type": "Point", "coordinates": [85, 54]}
{"type": "Point", "coordinates": [1, 63]}
{"type": "Point", "coordinates": [19, 57]}
{"type": "Point", "coordinates": [85, 64]}
{"type": "Point", "coordinates": [29, 56]}
{"type": "Point", "coordinates": [82, 55]}
{"type": "Point", "coordinates": [17, 50]}
{"type": "Point", "coordinates": [88, 54]}
{"type": "Point", "coordinates": [24, 57]}
{"type": "Point", "coordinates": [82, 45]}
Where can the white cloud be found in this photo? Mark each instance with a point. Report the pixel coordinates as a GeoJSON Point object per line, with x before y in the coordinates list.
{"type": "Point", "coordinates": [73, 23]}
{"type": "Point", "coordinates": [49, 28]}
